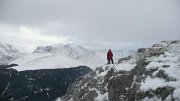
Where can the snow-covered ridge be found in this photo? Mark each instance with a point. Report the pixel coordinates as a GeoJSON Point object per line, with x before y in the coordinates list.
{"type": "Point", "coordinates": [167, 70]}
{"type": "Point", "coordinates": [38, 61]}
{"type": "Point", "coordinates": [153, 74]}
{"type": "Point", "coordinates": [9, 53]}
{"type": "Point", "coordinates": [51, 57]}
{"type": "Point", "coordinates": [97, 58]}
{"type": "Point", "coordinates": [69, 50]}
{"type": "Point", "coordinates": [66, 56]}
{"type": "Point", "coordinates": [91, 58]}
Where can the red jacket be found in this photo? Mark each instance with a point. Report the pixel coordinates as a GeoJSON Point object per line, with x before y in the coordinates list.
{"type": "Point", "coordinates": [109, 55]}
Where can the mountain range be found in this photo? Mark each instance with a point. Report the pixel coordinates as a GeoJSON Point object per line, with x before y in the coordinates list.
{"type": "Point", "coordinates": [65, 56]}
{"type": "Point", "coordinates": [9, 53]}
{"type": "Point", "coordinates": [45, 74]}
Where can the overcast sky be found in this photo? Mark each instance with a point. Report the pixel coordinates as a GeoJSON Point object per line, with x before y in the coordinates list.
{"type": "Point", "coordinates": [91, 23]}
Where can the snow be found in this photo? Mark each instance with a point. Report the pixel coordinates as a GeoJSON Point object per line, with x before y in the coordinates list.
{"type": "Point", "coordinates": [166, 59]}
{"type": "Point", "coordinates": [68, 50]}
{"type": "Point", "coordinates": [45, 61]}
{"type": "Point", "coordinates": [125, 66]}
{"type": "Point", "coordinates": [97, 58]}
{"type": "Point", "coordinates": [176, 94]}
{"type": "Point", "coordinates": [102, 74]}
{"type": "Point", "coordinates": [9, 53]}
{"type": "Point", "coordinates": [102, 97]}
{"type": "Point", "coordinates": [169, 62]}
{"type": "Point", "coordinates": [92, 58]}
{"type": "Point", "coordinates": [59, 99]}
{"type": "Point", "coordinates": [134, 80]}
{"type": "Point", "coordinates": [153, 84]}
{"type": "Point", "coordinates": [171, 58]}
{"type": "Point", "coordinates": [173, 72]}
{"type": "Point", "coordinates": [31, 57]}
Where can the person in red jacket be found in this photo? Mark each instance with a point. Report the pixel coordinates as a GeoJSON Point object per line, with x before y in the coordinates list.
{"type": "Point", "coordinates": [110, 56]}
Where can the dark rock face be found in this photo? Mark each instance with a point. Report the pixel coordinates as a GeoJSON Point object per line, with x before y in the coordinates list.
{"type": "Point", "coordinates": [140, 50]}
{"type": "Point", "coordinates": [124, 87]}
{"type": "Point", "coordinates": [80, 91]}
{"type": "Point", "coordinates": [123, 83]}
{"type": "Point", "coordinates": [38, 85]}
{"type": "Point", "coordinates": [175, 41]}
{"type": "Point", "coordinates": [49, 49]}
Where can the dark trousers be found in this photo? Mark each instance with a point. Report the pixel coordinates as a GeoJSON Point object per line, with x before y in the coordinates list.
{"type": "Point", "coordinates": [111, 61]}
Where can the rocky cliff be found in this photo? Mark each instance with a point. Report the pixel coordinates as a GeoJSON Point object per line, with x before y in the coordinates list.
{"type": "Point", "coordinates": [153, 74]}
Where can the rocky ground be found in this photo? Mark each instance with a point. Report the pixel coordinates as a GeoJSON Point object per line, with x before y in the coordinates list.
{"type": "Point", "coordinates": [153, 74]}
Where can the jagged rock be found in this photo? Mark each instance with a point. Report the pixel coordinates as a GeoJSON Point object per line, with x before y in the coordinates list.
{"type": "Point", "coordinates": [123, 85]}
{"type": "Point", "coordinates": [118, 87]}
{"type": "Point", "coordinates": [150, 71]}
{"type": "Point", "coordinates": [156, 53]}
{"type": "Point", "coordinates": [161, 93]}
{"type": "Point", "coordinates": [162, 74]}
{"type": "Point", "coordinates": [140, 50]}
{"type": "Point", "coordinates": [100, 70]}
{"type": "Point", "coordinates": [175, 41]}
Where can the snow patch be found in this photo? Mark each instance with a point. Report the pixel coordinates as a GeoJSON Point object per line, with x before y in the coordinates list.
{"type": "Point", "coordinates": [125, 66]}
{"type": "Point", "coordinates": [102, 97]}
{"type": "Point", "coordinates": [152, 84]}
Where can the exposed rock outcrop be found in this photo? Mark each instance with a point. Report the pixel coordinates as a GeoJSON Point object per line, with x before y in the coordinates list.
{"type": "Point", "coordinates": [150, 75]}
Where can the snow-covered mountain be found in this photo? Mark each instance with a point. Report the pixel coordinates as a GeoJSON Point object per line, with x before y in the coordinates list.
{"type": "Point", "coordinates": [65, 56]}
{"type": "Point", "coordinates": [40, 76]}
{"type": "Point", "coordinates": [68, 50]}
{"type": "Point", "coordinates": [9, 53]}
{"type": "Point", "coordinates": [153, 74]}
{"type": "Point", "coordinates": [92, 58]}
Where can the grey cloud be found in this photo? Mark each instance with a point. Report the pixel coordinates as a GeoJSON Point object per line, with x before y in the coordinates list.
{"type": "Point", "coordinates": [140, 22]}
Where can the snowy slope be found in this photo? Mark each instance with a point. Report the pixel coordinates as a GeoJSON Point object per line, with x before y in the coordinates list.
{"type": "Point", "coordinates": [45, 61]}
{"type": "Point", "coordinates": [98, 58]}
{"type": "Point", "coordinates": [65, 56]}
{"type": "Point", "coordinates": [92, 58]}
{"type": "Point", "coordinates": [168, 64]}
{"type": "Point", "coordinates": [153, 74]}
{"type": "Point", "coordinates": [69, 50]}
{"type": "Point", "coordinates": [94, 86]}
{"type": "Point", "coordinates": [9, 53]}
